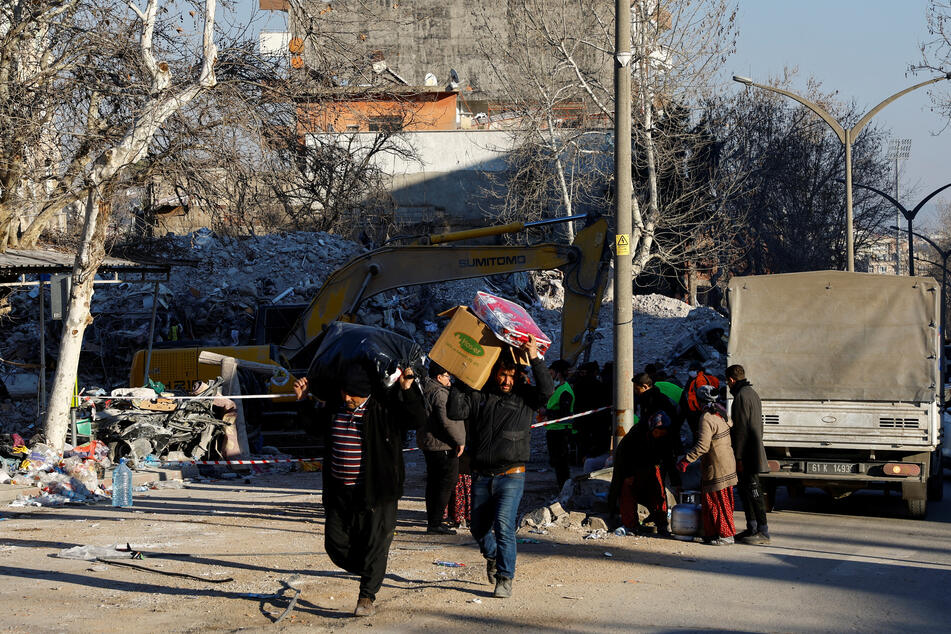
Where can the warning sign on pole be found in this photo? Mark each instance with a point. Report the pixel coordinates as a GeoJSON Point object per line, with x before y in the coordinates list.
{"type": "Point", "coordinates": [622, 244]}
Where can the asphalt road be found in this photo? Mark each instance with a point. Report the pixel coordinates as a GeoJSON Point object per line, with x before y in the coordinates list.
{"type": "Point", "coordinates": [853, 564]}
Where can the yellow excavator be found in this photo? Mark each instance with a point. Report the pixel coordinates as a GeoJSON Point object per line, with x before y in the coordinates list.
{"type": "Point", "coordinates": [584, 262]}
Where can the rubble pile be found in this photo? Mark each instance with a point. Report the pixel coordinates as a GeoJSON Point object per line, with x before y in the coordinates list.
{"type": "Point", "coordinates": [139, 424]}
{"type": "Point", "coordinates": [73, 476]}
{"type": "Point", "coordinates": [217, 282]}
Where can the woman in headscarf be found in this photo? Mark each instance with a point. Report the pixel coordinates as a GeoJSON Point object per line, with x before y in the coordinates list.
{"type": "Point", "coordinates": [717, 468]}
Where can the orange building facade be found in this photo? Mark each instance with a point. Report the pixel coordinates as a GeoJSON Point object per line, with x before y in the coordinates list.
{"type": "Point", "coordinates": [410, 110]}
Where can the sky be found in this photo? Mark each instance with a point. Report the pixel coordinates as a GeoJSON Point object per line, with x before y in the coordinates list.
{"type": "Point", "coordinates": [860, 48]}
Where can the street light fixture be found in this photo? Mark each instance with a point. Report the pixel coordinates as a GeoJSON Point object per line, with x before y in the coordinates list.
{"type": "Point", "coordinates": [846, 137]}
{"type": "Point", "coordinates": [898, 150]}
{"type": "Point", "coordinates": [909, 216]}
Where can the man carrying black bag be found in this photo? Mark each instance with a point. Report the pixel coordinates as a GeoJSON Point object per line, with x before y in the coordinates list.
{"type": "Point", "coordinates": [363, 469]}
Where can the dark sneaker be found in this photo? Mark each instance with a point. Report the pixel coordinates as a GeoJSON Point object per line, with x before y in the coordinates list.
{"type": "Point", "coordinates": [759, 539]}
{"type": "Point", "coordinates": [743, 535]}
{"type": "Point", "coordinates": [490, 571]}
{"type": "Point", "coordinates": [503, 588]}
{"type": "Point", "coordinates": [364, 607]}
{"type": "Point", "coordinates": [442, 529]}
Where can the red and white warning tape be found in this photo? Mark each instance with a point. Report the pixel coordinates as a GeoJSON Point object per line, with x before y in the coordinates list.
{"type": "Point", "coordinates": [292, 460]}
{"type": "Point", "coordinates": [225, 462]}
{"type": "Point", "coordinates": [578, 415]}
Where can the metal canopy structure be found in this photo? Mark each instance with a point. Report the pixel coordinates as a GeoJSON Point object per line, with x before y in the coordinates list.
{"type": "Point", "coordinates": [19, 267]}
{"type": "Point", "coordinates": [16, 265]}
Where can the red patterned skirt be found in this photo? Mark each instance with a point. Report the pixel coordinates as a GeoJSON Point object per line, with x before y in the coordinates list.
{"type": "Point", "coordinates": [716, 509]}
{"type": "Point", "coordinates": [460, 500]}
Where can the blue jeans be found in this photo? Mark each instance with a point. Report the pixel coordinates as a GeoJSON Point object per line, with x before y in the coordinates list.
{"type": "Point", "coordinates": [495, 501]}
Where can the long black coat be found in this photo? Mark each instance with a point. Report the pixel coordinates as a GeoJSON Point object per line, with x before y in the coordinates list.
{"type": "Point", "coordinates": [747, 431]}
{"type": "Point", "coordinates": [387, 416]}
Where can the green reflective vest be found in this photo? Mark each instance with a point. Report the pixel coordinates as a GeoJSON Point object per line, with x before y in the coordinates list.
{"type": "Point", "coordinates": [554, 401]}
{"type": "Point", "coordinates": [670, 390]}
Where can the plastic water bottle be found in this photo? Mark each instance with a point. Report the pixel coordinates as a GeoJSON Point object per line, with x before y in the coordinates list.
{"type": "Point", "coordinates": [122, 485]}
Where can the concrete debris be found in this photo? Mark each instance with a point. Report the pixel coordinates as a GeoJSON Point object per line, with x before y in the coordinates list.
{"type": "Point", "coordinates": [593, 522]}
{"type": "Point", "coordinates": [537, 518]}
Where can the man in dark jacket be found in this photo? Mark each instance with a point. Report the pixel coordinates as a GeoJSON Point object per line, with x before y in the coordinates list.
{"type": "Point", "coordinates": [442, 441]}
{"type": "Point", "coordinates": [500, 418]}
{"type": "Point", "coordinates": [363, 471]}
{"type": "Point", "coordinates": [747, 438]}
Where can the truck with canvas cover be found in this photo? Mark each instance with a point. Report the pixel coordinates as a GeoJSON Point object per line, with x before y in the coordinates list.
{"type": "Point", "coordinates": [848, 369]}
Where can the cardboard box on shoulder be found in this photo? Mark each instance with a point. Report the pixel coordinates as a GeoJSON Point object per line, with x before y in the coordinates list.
{"type": "Point", "coordinates": [468, 349]}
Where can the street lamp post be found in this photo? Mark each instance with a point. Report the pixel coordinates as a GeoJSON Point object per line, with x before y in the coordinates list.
{"type": "Point", "coordinates": [909, 216]}
{"type": "Point", "coordinates": [846, 137]}
{"type": "Point", "coordinates": [945, 254]}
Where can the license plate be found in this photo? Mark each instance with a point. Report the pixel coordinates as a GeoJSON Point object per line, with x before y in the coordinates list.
{"type": "Point", "coordinates": [831, 467]}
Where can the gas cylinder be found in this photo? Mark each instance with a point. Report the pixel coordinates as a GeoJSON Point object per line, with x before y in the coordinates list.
{"type": "Point", "coordinates": [685, 517]}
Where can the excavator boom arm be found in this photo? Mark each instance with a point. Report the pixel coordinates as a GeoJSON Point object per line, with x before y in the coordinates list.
{"type": "Point", "coordinates": [387, 268]}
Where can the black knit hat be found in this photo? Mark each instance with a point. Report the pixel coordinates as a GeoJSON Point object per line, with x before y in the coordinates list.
{"type": "Point", "coordinates": [356, 381]}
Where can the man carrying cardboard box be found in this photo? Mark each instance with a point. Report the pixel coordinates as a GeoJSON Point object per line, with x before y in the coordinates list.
{"type": "Point", "coordinates": [500, 417]}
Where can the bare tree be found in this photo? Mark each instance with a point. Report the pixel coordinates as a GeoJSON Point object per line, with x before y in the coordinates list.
{"type": "Point", "coordinates": [793, 205]}
{"type": "Point", "coordinates": [565, 57]}
{"type": "Point", "coordinates": [162, 99]}
{"type": "Point", "coordinates": [936, 53]}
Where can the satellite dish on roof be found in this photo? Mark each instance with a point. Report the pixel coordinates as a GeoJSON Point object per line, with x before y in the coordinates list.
{"type": "Point", "coordinates": [430, 80]}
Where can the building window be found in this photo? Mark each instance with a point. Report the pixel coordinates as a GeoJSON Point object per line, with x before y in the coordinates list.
{"type": "Point", "coordinates": [390, 123]}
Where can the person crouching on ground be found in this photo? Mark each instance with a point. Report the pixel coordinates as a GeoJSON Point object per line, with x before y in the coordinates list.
{"type": "Point", "coordinates": [717, 468]}
{"type": "Point", "coordinates": [500, 417]}
{"type": "Point", "coordinates": [364, 472]}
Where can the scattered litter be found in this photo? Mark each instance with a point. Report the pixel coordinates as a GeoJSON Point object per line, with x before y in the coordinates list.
{"type": "Point", "coordinates": [449, 564]}
{"type": "Point", "coordinates": [596, 534]}
{"type": "Point", "coordinates": [620, 531]}
{"type": "Point", "coordinates": [92, 553]}
{"type": "Point", "coordinates": [475, 600]}
{"type": "Point", "coordinates": [607, 554]}
{"type": "Point", "coordinates": [568, 596]}
{"type": "Point", "coordinates": [538, 531]}
{"type": "Point", "coordinates": [632, 581]}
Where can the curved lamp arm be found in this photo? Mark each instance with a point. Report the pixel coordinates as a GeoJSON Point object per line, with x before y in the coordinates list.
{"type": "Point", "coordinates": [901, 207]}
{"type": "Point", "coordinates": [871, 113]}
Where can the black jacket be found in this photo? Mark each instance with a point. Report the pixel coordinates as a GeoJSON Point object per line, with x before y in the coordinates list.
{"type": "Point", "coordinates": [747, 431]}
{"type": "Point", "coordinates": [439, 433]}
{"type": "Point", "coordinates": [388, 415]}
{"type": "Point", "coordinates": [500, 424]}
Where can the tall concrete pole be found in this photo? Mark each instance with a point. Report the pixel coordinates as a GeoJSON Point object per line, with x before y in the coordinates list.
{"type": "Point", "coordinates": [849, 233]}
{"type": "Point", "coordinates": [623, 298]}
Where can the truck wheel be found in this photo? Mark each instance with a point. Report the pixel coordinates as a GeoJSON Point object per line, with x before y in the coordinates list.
{"type": "Point", "coordinates": [917, 508]}
{"type": "Point", "coordinates": [935, 488]}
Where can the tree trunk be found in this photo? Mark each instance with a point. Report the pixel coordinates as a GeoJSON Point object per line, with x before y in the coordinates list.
{"type": "Point", "coordinates": [90, 255]}
{"type": "Point", "coordinates": [565, 199]}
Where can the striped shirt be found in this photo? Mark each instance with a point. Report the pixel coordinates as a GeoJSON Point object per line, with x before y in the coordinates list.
{"type": "Point", "coordinates": [346, 443]}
